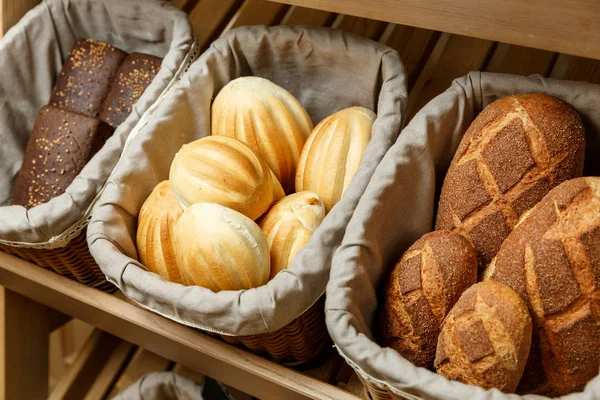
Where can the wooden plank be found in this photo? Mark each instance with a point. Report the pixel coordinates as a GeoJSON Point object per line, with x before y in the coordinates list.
{"type": "Point", "coordinates": [185, 5]}
{"type": "Point", "coordinates": [110, 371]}
{"type": "Point", "coordinates": [208, 17]}
{"type": "Point", "coordinates": [326, 367]}
{"type": "Point", "coordinates": [452, 57]}
{"type": "Point", "coordinates": [519, 60]}
{"type": "Point", "coordinates": [307, 16]}
{"type": "Point", "coordinates": [25, 327]}
{"type": "Point", "coordinates": [143, 362]}
{"type": "Point", "coordinates": [576, 69]}
{"type": "Point", "coordinates": [11, 12]}
{"type": "Point", "coordinates": [228, 364]}
{"type": "Point", "coordinates": [556, 25]}
{"type": "Point", "coordinates": [368, 28]}
{"type": "Point", "coordinates": [257, 12]}
{"type": "Point", "coordinates": [188, 373]}
{"type": "Point", "coordinates": [414, 46]}
{"type": "Point", "coordinates": [86, 367]}
{"type": "Point", "coordinates": [354, 385]}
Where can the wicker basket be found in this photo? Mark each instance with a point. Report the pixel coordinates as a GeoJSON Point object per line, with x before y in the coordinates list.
{"type": "Point", "coordinates": [375, 392]}
{"type": "Point", "coordinates": [297, 343]}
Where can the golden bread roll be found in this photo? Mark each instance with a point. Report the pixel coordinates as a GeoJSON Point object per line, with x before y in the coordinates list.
{"type": "Point", "coordinates": [516, 151]}
{"type": "Point", "coordinates": [222, 170]}
{"type": "Point", "coordinates": [333, 152]}
{"type": "Point", "coordinates": [266, 117]}
{"type": "Point", "coordinates": [288, 226]}
{"type": "Point", "coordinates": [486, 337]}
{"type": "Point", "coordinates": [278, 192]}
{"type": "Point", "coordinates": [154, 237]}
{"type": "Point", "coordinates": [552, 260]}
{"type": "Point", "coordinates": [221, 249]}
{"type": "Point", "coordinates": [422, 289]}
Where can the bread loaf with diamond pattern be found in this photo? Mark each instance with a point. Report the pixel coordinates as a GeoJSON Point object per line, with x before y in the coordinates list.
{"type": "Point", "coordinates": [512, 155]}
{"type": "Point", "coordinates": [552, 260]}
{"type": "Point", "coordinates": [485, 339]}
{"type": "Point", "coordinates": [422, 289]}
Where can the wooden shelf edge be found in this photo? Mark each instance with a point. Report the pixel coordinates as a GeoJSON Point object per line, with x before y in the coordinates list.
{"type": "Point", "coordinates": [228, 364]}
{"type": "Point", "coordinates": [554, 25]}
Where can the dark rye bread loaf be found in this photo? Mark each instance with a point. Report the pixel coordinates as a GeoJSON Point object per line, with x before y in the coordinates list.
{"type": "Point", "coordinates": [512, 155]}
{"type": "Point", "coordinates": [486, 337]}
{"type": "Point", "coordinates": [133, 77]}
{"type": "Point", "coordinates": [60, 145]}
{"type": "Point", "coordinates": [86, 77]}
{"type": "Point", "coordinates": [422, 289]}
{"type": "Point", "coordinates": [552, 260]}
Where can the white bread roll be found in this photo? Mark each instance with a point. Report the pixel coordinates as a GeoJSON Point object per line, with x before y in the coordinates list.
{"type": "Point", "coordinates": [333, 152]}
{"type": "Point", "coordinates": [288, 226]}
{"type": "Point", "coordinates": [221, 249]}
{"type": "Point", "coordinates": [222, 170]}
{"type": "Point", "coordinates": [266, 117]}
{"type": "Point", "coordinates": [156, 221]}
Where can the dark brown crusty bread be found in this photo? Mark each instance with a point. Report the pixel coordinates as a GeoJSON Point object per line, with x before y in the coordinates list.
{"type": "Point", "coordinates": [133, 77]}
{"type": "Point", "coordinates": [85, 79]}
{"type": "Point", "coordinates": [512, 155]}
{"type": "Point", "coordinates": [552, 260]}
{"type": "Point", "coordinates": [422, 289]}
{"type": "Point", "coordinates": [486, 337]}
{"type": "Point", "coordinates": [60, 145]}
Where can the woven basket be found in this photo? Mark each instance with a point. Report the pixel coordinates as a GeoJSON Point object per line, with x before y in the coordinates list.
{"type": "Point", "coordinates": [297, 343]}
{"type": "Point", "coordinates": [375, 392]}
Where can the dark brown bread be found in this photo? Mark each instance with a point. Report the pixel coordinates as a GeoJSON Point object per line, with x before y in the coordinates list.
{"type": "Point", "coordinates": [486, 337]}
{"type": "Point", "coordinates": [133, 77]}
{"type": "Point", "coordinates": [512, 155]}
{"type": "Point", "coordinates": [60, 145]}
{"type": "Point", "coordinates": [552, 260]}
{"type": "Point", "coordinates": [422, 289]}
{"type": "Point", "coordinates": [85, 79]}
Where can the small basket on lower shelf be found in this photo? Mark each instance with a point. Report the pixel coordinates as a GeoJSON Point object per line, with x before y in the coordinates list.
{"type": "Point", "coordinates": [53, 234]}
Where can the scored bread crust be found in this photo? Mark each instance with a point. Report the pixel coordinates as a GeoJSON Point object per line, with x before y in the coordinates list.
{"type": "Point", "coordinates": [512, 155]}
{"type": "Point", "coordinates": [422, 289]}
{"type": "Point", "coordinates": [485, 339]}
{"type": "Point", "coordinates": [552, 259]}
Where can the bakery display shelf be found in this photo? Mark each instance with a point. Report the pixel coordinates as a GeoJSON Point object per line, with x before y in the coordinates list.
{"type": "Point", "coordinates": [129, 340]}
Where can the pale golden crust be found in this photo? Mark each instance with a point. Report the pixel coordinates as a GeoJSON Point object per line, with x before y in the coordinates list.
{"type": "Point", "coordinates": [156, 221]}
{"type": "Point", "coordinates": [551, 260]}
{"type": "Point", "coordinates": [422, 289]}
{"type": "Point", "coordinates": [485, 339]}
{"type": "Point", "coordinates": [515, 151]}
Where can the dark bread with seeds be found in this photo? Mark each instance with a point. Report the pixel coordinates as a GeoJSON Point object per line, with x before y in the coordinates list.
{"type": "Point", "coordinates": [512, 155]}
{"type": "Point", "coordinates": [133, 77]}
{"type": "Point", "coordinates": [60, 145]}
{"type": "Point", "coordinates": [552, 260]}
{"type": "Point", "coordinates": [422, 289]}
{"type": "Point", "coordinates": [486, 337]}
{"type": "Point", "coordinates": [86, 77]}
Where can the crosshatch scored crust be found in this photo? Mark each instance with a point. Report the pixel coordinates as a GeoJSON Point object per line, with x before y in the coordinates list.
{"type": "Point", "coordinates": [552, 260]}
{"type": "Point", "coordinates": [422, 289]}
{"type": "Point", "coordinates": [515, 152]}
{"type": "Point", "coordinates": [485, 339]}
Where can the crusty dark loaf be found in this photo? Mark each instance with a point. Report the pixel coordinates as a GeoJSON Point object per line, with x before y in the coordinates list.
{"type": "Point", "coordinates": [486, 337]}
{"type": "Point", "coordinates": [512, 155]}
{"type": "Point", "coordinates": [552, 259]}
{"type": "Point", "coordinates": [85, 79]}
{"type": "Point", "coordinates": [422, 289]}
{"type": "Point", "coordinates": [60, 145]}
{"type": "Point", "coordinates": [132, 78]}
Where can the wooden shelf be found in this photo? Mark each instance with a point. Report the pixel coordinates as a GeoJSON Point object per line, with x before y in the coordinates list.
{"type": "Point", "coordinates": [203, 354]}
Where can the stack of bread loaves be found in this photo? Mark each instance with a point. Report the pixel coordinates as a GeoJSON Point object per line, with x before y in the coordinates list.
{"type": "Point", "coordinates": [92, 96]}
{"type": "Point", "coordinates": [511, 202]}
{"type": "Point", "coordinates": [199, 227]}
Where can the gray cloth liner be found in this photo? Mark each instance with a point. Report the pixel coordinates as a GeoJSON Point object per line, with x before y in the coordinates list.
{"type": "Point", "coordinates": [162, 386]}
{"type": "Point", "coordinates": [398, 207]}
{"type": "Point", "coordinates": [327, 70]}
{"type": "Point", "coordinates": [32, 57]}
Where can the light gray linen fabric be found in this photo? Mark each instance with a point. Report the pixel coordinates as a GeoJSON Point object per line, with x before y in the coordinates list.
{"type": "Point", "coordinates": [398, 207]}
{"type": "Point", "coordinates": [327, 70]}
{"type": "Point", "coordinates": [162, 386]}
{"type": "Point", "coordinates": [31, 57]}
